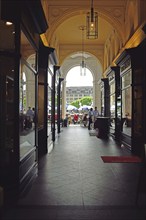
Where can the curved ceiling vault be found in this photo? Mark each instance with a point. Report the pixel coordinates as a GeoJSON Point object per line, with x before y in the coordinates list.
{"type": "Point", "coordinates": [69, 38]}
{"type": "Point", "coordinates": [65, 17]}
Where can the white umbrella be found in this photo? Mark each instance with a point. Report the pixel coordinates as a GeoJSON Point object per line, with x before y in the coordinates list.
{"type": "Point", "coordinates": [80, 109]}
{"type": "Point", "coordinates": [71, 107]}
{"type": "Point", "coordinates": [85, 107]}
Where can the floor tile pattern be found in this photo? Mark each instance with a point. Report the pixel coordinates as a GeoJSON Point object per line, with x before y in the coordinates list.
{"type": "Point", "coordinates": [74, 183]}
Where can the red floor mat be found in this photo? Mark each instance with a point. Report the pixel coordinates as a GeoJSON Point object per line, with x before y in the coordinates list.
{"type": "Point", "coordinates": [121, 159]}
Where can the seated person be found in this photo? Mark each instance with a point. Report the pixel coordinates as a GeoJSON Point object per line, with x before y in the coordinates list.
{"type": "Point", "coordinates": [85, 120]}
{"type": "Point", "coordinates": [75, 119]}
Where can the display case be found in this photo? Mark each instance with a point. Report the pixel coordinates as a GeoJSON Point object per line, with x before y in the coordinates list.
{"type": "Point", "coordinates": [49, 105]}
{"type": "Point", "coordinates": [19, 43]}
{"type": "Point", "coordinates": [54, 68]}
{"type": "Point", "coordinates": [132, 98]}
{"type": "Point", "coordinates": [105, 112]}
{"type": "Point", "coordinates": [102, 98]}
{"type": "Point", "coordinates": [115, 102]}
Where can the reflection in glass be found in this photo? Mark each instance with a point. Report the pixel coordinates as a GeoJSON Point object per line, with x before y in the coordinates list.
{"type": "Point", "coordinates": [27, 111]}
{"type": "Point", "coordinates": [27, 98]}
{"type": "Point", "coordinates": [112, 110]}
{"type": "Point", "coordinates": [40, 105]}
{"type": "Point", "coordinates": [49, 102]}
{"type": "Point", "coordinates": [112, 104]}
{"type": "Point", "coordinates": [126, 103]}
{"type": "Point", "coordinates": [102, 102]}
{"type": "Point", "coordinates": [119, 107]}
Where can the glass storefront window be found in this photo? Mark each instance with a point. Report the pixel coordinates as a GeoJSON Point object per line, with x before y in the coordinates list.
{"type": "Point", "coordinates": [112, 104]}
{"type": "Point", "coordinates": [102, 102]}
{"type": "Point", "coordinates": [49, 79]}
{"type": "Point", "coordinates": [119, 107]}
{"type": "Point", "coordinates": [126, 80]}
{"type": "Point", "coordinates": [126, 103]}
{"type": "Point", "coordinates": [27, 98]}
{"type": "Point", "coordinates": [49, 100]}
{"type": "Point", "coordinates": [112, 110]}
{"type": "Point", "coordinates": [112, 88]}
{"type": "Point", "coordinates": [41, 105]}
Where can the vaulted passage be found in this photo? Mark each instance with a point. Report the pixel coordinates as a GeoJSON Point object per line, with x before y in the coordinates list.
{"type": "Point", "coordinates": [50, 164]}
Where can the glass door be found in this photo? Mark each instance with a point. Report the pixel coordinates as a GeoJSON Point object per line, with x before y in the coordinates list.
{"type": "Point", "coordinates": [112, 106]}
{"type": "Point", "coordinates": [49, 103]}
{"type": "Point", "coordinates": [127, 103]}
{"type": "Point", "coordinates": [27, 109]}
{"type": "Point", "coordinates": [102, 100]}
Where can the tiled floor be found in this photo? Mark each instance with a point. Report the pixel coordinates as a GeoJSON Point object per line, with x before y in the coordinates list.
{"type": "Point", "coordinates": [74, 183]}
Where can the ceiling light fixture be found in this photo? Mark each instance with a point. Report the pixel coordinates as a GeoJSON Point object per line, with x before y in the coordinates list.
{"type": "Point", "coordinates": [8, 23]}
{"type": "Point", "coordinates": [83, 64]}
{"type": "Point", "coordinates": [92, 23]}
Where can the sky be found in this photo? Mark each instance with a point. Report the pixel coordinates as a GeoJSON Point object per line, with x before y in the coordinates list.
{"type": "Point", "coordinates": [74, 78]}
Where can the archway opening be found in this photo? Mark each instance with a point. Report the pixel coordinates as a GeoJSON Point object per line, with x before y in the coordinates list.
{"type": "Point", "coordinates": [74, 77]}
{"type": "Point", "coordinates": [79, 88]}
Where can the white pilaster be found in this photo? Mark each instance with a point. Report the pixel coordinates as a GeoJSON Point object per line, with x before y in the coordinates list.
{"type": "Point", "coordinates": [63, 99]}
{"type": "Point", "coordinates": [96, 95]}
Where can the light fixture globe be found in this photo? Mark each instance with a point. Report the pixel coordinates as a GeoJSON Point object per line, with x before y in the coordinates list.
{"type": "Point", "coordinates": [83, 64]}
{"type": "Point", "coordinates": [92, 23]}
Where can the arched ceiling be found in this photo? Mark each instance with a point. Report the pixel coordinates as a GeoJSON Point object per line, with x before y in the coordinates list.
{"type": "Point", "coordinates": [69, 33]}
{"type": "Point", "coordinates": [69, 38]}
{"type": "Point", "coordinates": [65, 16]}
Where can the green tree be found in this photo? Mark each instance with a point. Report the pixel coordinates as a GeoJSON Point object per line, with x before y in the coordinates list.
{"type": "Point", "coordinates": [86, 100]}
{"type": "Point", "coordinates": [76, 103]}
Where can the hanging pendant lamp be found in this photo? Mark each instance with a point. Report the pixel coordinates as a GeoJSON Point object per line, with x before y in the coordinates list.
{"type": "Point", "coordinates": [92, 23]}
{"type": "Point", "coordinates": [83, 64]}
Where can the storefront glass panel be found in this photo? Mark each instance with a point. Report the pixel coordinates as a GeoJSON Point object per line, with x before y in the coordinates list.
{"type": "Point", "coordinates": [49, 102]}
{"type": "Point", "coordinates": [126, 103]}
{"type": "Point", "coordinates": [112, 104]}
{"type": "Point", "coordinates": [112, 110]}
{"type": "Point", "coordinates": [27, 98]}
{"type": "Point", "coordinates": [102, 102]}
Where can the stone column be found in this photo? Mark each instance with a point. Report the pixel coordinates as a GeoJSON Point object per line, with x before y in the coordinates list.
{"type": "Point", "coordinates": [63, 99]}
{"type": "Point", "coordinates": [96, 95]}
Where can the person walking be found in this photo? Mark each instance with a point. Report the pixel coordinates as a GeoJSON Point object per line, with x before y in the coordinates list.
{"type": "Point", "coordinates": [95, 113]}
{"type": "Point", "coordinates": [90, 114]}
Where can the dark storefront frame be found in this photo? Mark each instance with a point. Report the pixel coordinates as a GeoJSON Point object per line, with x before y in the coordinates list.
{"type": "Point", "coordinates": [115, 102]}
{"type": "Point", "coordinates": [132, 72]}
{"type": "Point", "coordinates": [16, 174]}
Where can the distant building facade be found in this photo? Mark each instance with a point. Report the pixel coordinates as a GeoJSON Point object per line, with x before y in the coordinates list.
{"type": "Point", "coordinates": [77, 92]}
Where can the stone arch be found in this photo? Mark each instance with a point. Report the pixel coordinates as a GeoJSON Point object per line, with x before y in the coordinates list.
{"type": "Point", "coordinates": [92, 62]}
{"type": "Point", "coordinates": [76, 71]}
{"type": "Point", "coordinates": [95, 51]}
{"type": "Point", "coordinates": [117, 24]}
{"type": "Point", "coordinates": [75, 59]}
